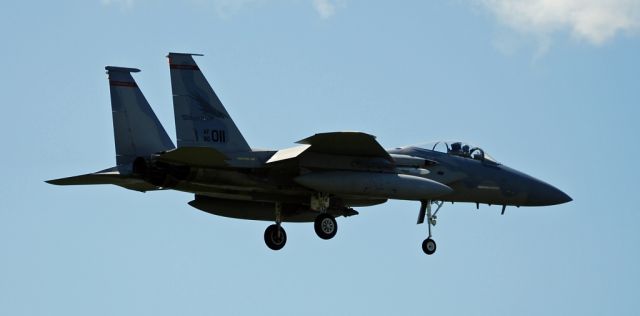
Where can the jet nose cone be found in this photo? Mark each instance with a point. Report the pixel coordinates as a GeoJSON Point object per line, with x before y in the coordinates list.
{"type": "Point", "coordinates": [544, 194]}
{"type": "Point", "coordinates": [556, 196]}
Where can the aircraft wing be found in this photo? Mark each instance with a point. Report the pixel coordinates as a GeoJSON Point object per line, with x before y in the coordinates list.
{"type": "Point", "coordinates": [346, 144]}
{"type": "Point", "coordinates": [108, 176]}
{"type": "Point", "coordinates": [335, 144]}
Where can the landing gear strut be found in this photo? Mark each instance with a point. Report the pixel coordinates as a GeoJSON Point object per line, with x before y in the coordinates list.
{"type": "Point", "coordinates": [325, 224]}
{"type": "Point", "coordinates": [429, 245]}
{"type": "Point", "coordinates": [274, 236]}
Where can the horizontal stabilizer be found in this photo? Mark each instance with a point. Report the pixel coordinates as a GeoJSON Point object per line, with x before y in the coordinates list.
{"type": "Point", "coordinates": [195, 157]}
{"type": "Point", "coordinates": [347, 144]}
{"type": "Point", "coordinates": [109, 176]}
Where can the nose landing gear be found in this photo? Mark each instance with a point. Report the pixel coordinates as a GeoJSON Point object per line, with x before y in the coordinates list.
{"type": "Point", "coordinates": [429, 245]}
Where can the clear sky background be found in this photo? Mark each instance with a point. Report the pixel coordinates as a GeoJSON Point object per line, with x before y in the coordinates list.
{"type": "Point", "coordinates": [551, 88]}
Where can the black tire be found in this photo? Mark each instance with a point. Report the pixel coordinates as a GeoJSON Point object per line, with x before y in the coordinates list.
{"type": "Point", "coordinates": [429, 246]}
{"type": "Point", "coordinates": [325, 226]}
{"type": "Point", "coordinates": [275, 237]}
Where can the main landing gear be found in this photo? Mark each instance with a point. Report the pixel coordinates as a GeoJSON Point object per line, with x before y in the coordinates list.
{"type": "Point", "coordinates": [429, 245]}
{"type": "Point", "coordinates": [274, 236]}
{"type": "Point", "coordinates": [325, 224]}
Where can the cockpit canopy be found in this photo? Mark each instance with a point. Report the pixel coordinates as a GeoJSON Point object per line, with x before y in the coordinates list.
{"type": "Point", "coordinates": [461, 149]}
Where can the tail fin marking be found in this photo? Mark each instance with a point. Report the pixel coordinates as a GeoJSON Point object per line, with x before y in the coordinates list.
{"type": "Point", "coordinates": [201, 119]}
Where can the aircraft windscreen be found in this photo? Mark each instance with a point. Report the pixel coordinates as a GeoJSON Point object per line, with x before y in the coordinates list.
{"type": "Point", "coordinates": [457, 148]}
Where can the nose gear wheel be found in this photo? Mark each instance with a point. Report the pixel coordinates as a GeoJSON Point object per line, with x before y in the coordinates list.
{"type": "Point", "coordinates": [429, 246]}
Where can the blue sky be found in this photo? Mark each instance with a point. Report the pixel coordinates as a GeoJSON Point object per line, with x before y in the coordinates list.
{"type": "Point", "coordinates": [548, 87]}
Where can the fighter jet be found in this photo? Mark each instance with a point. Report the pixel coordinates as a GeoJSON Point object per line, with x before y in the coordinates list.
{"type": "Point", "coordinates": [325, 176]}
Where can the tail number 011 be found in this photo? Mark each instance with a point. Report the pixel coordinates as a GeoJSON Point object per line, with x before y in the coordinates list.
{"type": "Point", "coordinates": [214, 135]}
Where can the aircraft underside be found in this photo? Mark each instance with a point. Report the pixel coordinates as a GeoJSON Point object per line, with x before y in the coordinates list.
{"type": "Point", "coordinates": [260, 203]}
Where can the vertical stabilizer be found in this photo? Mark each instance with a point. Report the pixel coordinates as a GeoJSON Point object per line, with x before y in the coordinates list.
{"type": "Point", "coordinates": [201, 119]}
{"type": "Point", "coordinates": [137, 131]}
